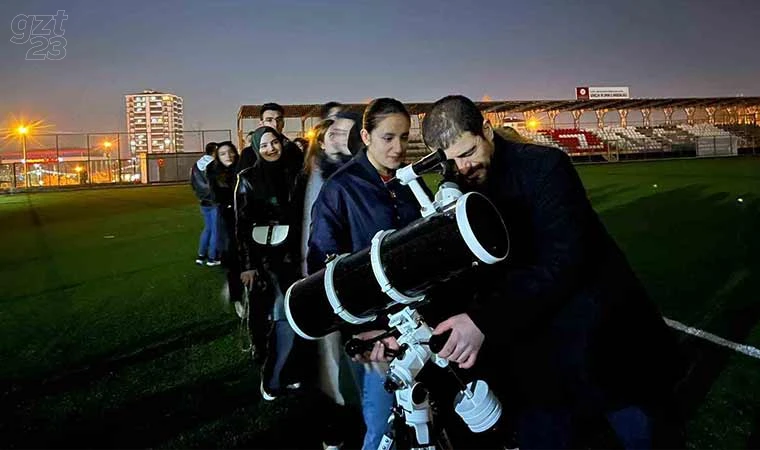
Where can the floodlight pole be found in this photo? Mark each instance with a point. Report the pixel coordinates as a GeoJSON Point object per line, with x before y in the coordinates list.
{"type": "Point", "coordinates": [26, 169]}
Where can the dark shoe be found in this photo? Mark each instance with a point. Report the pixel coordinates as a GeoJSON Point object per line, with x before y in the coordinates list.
{"type": "Point", "coordinates": [258, 356]}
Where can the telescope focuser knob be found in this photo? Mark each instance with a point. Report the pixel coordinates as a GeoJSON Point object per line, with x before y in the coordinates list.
{"type": "Point", "coordinates": [437, 341]}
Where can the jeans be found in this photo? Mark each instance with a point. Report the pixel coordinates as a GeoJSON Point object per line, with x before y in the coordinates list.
{"type": "Point", "coordinates": [209, 235]}
{"type": "Point", "coordinates": [376, 403]}
{"type": "Point", "coordinates": [280, 343]}
{"type": "Point", "coordinates": [632, 426]}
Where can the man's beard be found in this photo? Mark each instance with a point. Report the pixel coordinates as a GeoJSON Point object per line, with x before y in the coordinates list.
{"type": "Point", "coordinates": [328, 166]}
{"type": "Point", "coordinates": [465, 182]}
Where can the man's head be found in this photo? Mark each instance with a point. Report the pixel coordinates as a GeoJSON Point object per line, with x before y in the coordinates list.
{"type": "Point", "coordinates": [247, 139]}
{"type": "Point", "coordinates": [211, 148]}
{"type": "Point", "coordinates": [330, 109]}
{"type": "Point", "coordinates": [456, 125]}
{"type": "Point", "coordinates": [273, 116]}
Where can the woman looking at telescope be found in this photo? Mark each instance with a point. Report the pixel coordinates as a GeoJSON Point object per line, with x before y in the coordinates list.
{"type": "Point", "coordinates": [359, 200]}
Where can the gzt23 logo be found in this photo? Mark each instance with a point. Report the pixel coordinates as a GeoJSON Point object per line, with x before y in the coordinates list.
{"type": "Point", "coordinates": [44, 32]}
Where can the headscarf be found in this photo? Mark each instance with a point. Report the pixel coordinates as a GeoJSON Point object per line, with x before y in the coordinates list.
{"type": "Point", "coordinates": [271, 179]}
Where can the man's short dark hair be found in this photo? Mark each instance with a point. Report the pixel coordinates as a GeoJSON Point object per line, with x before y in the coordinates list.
{"type": "Point", "coordinates": [211, 147]}
{"type": "Point", "coordinates": [327, 107]}
{"type": "Point", "coordinates": [448, 119]}
{"type": "Point", "coordinates": [271, 107]}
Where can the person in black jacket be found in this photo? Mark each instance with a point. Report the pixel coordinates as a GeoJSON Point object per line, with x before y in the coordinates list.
{"type": "Point", "coordinates": [268, 252]}
{"type": "Point", "coordinates": [222, 179]}
{"type": "Point", "coordinates": [573, 333]}
{"type": "Point", "coordinates": [248, 156]}
{"type": "Point", "coordinates": [199, 182]}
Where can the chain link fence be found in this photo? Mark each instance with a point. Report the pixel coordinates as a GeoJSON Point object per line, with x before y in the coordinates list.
{"type": "Point", "coordinates": [66, 160]}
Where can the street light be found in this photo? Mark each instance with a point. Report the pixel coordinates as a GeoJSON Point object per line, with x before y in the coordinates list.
{"type": "Point", "coordinates": [23, 131]}
{"type": "Point", "coordinates": [107, 153]}
{"type": "Point", "coordinates": [107, 147]}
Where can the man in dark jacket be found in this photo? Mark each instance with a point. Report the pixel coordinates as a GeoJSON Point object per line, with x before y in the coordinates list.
{"type": "Point", "coordinates": [207, 247]}
{"type": "Point", "coordinates": [573, 334]}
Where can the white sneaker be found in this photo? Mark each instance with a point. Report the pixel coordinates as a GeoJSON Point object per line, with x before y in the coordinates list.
{"type": "Point", "coordinates": [264, 394]}
{"type": "Point", "coordinates": [294, 386]}
{"type": "Point", "coordinates": [330, 447]}
{"type": "Point", "coordinates": [239, 309]}
{"type": "Point", "coordinates": [212, 263]}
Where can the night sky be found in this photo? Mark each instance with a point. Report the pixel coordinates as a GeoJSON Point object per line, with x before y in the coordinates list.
{"type": "Point", "coordinates": [221, 54]}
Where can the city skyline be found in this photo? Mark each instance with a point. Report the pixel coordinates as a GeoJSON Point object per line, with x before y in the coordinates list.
{"type": "Point", "coordinates": [220, 56]}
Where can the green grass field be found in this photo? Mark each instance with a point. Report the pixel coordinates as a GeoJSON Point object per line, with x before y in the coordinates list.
{"type": "Point", "coordinates": [112, 337]}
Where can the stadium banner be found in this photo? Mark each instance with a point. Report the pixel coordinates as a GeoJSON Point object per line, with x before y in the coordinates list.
{"type": "Point", "coordinates": [601, 93]}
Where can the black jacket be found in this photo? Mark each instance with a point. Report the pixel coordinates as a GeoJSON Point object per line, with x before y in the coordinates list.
{"type": "Point", "coordinates": [248, 157]}
{"type": "Point", "coordinates": [199, 180]}
{"type": "Point", "coordinates": [565, 311]}
{"type": "Point", "coordinates": [252, 209]}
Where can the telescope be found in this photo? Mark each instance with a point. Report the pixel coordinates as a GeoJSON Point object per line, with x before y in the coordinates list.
{"type": "Point", "coordinates": [456, 233]}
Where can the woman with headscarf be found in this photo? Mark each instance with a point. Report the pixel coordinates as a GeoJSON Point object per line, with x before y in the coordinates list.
{"type": "Point", "coordinates": [264, 208]}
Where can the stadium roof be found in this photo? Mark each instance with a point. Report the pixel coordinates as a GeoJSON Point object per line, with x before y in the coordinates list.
{"type": "Point", "coordinates": [312, 110]}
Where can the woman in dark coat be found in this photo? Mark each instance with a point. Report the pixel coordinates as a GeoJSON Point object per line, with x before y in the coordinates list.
{"type": "Point", "coordinates": [268, 252]}
{"type": "Point", "coordinates": [222, 178]}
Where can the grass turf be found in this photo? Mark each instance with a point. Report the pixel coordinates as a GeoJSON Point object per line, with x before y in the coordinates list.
{"type": "Point", "coordinates": [114, 338]}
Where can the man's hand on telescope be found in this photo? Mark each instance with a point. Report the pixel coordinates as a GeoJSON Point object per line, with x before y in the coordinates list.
{"type": "Point", "coordinates": [465, 341]}
{"type": "Point", "coordinates": [378, 349]}
{"type": "Point", "coordinates": [248, 278]}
